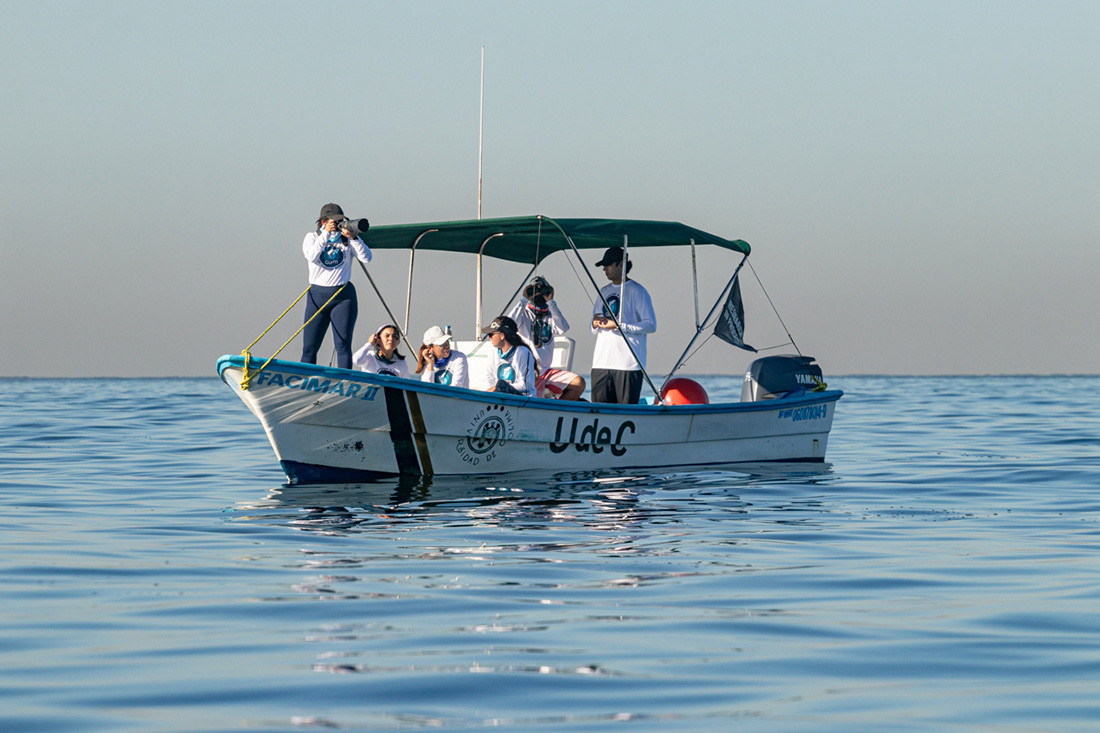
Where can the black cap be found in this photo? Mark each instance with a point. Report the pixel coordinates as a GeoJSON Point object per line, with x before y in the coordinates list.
{"type": "Point", "coordinates": [331, 211]}
{"type": "Point", "coordinates": [503, 324]}
{"type": "Point", "coordinates": [611, 256]}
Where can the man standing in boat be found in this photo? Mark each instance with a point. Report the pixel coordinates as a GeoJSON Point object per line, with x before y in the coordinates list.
{"type": "Point", "coordinates": [539, 320]}
{"type": "Point", "coordinates": [616, 373]}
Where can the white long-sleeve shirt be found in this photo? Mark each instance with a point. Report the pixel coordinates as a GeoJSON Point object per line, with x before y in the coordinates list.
{"type": "Point", "coordinates": [455, 373]}
{"type": "Point", "coordinates": [330, 264]}
{"type": "Point", "coordinates": [555, 325]}
{"type": "Point", "coordinates": [516, 367]}
{"type": "Point", "coordinates": [368, 360]}
{"type": "Point", "coordinates": [637, 319]}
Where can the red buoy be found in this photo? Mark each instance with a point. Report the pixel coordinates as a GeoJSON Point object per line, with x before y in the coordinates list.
{"type": "Point", "coordinates": [683, 391]}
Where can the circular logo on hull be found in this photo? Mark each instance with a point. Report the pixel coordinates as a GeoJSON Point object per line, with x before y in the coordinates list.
{"type": "Point", "coordinates": [489, 429]}
{"type": "Point", "coordinates": [486, 434]}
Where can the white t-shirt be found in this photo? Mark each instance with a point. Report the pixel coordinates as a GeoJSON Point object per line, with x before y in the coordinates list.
{"type": "Point", "coordinates": [516, 367]}
{"type": "Point", "coordinates": [330, 264]}
{"type": "Point", "coordinates": [368, 360]}
{"type": "Point", "coordinates": [553, 325]}
{"type": "Point", "coordinates": [455, 373]}
{"type": "Point", "coordinates": [637, 319]}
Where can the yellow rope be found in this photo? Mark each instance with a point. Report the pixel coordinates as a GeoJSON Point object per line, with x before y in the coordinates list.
{"type": "Point", "coordinates": [247, 379]}
{"type": "Point", "coordinates": [276, 320]}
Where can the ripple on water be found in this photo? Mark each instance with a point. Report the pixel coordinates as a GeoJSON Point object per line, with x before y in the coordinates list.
{"type": "Point", "coordinates": [938, 573]}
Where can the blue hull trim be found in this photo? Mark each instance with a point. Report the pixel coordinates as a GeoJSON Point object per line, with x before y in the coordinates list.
{"type": "Point", "coordinates": [305, 473]}
{"type": "Point", "coordinates": [299, 474]}
{"type": "Point", "coordinates": [534, 403]}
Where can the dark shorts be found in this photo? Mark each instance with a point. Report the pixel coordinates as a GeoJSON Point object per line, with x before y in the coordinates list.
{"type": "Point", "coordinates": [616, 386]}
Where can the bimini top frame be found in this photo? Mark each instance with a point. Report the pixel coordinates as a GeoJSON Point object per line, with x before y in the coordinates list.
{"type": "Point", "coordinates": [530, 239]}
{"type": "Point", "coordinates": [525, 239]}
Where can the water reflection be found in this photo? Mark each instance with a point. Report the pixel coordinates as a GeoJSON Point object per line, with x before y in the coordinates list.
{"type": "Point", "coordinates": [603, 500]}
{"type": "Point", "coordinates": [436, 581]}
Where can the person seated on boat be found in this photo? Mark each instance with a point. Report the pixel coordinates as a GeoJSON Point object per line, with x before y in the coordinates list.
{"type": "Point", "coordinates": [380, 355]}
{"type": "Point", "coordinates": [440, 363]}
{"type": "Point", "coordinates": [539, 320]}
{"type": "Point", "coordinates": [616, 373]}
{"type": "Point", "coordinates": [512, 366]}
{"type": "Point", "coordinates": [329, 250]}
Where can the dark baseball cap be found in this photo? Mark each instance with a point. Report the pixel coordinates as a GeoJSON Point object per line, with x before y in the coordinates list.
{"type": "Point", "coordinates": [331, 211]}
{"type": "Point", "coordinates": [611, 256]}
{"type": "Point", "coordinates": [503, 324]}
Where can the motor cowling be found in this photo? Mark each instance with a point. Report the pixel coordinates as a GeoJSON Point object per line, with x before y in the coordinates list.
{"type": "Point", "coordinates": [771, 377]}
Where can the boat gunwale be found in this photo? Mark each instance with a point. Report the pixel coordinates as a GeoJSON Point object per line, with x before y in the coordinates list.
{"type": "Point", "coordinates": [538, 403]}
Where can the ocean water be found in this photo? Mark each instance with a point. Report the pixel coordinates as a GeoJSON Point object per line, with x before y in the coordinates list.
{"type": "Point", "coordinates": [940, 572]}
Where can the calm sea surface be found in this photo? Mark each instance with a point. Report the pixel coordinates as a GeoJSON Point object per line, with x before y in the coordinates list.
{"type": "Point", "coordinates": [941, 572]}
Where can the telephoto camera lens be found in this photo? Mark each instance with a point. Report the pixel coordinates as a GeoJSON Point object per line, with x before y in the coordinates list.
{"type": "Point", "coordinates": [355, 226]}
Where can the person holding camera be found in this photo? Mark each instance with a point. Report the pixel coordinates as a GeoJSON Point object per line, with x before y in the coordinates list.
{"type": "Point", "coordinates": [329, 251]}
{"type": "Point", "coordinates": [616, 374]}
{"type": "Point", "coordinates": [539, 320]}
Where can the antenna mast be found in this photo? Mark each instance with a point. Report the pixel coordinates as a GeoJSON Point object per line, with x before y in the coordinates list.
{"type": "Point", "coordinates": [480, 129]}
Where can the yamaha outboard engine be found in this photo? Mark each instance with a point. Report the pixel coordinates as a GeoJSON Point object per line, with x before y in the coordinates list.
{"type": "Point", "coordinates": [777, 376]}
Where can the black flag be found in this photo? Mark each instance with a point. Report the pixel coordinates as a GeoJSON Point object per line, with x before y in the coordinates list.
{"type": "Point", "coordinates": [731, 324]}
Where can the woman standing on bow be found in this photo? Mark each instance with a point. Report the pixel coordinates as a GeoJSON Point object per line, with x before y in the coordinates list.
{"type": "Point", "coordinates": [329, 250]}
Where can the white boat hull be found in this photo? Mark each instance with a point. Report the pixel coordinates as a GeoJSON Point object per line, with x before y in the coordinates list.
{"type": "Point", "coordinates": [330, 425]}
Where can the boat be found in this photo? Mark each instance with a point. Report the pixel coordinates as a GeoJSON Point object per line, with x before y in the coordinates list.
{"type": "Point", "coordinates": [332, 425]}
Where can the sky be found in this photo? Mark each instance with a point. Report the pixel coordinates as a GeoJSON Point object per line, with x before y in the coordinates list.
{"type": "Point", "coordinates": [918, 181]}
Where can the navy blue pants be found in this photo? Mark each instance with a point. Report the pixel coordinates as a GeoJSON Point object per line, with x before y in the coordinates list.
{"type": "Point", "coordinates": [340, 314]}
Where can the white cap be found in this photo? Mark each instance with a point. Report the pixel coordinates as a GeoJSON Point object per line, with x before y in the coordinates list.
{"type": "Point", "coordinates": [435, 336]}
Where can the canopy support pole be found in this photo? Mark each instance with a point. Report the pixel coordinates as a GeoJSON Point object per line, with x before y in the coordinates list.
{"type": "Point", "coordinates": [522, 283]}
{"type": "Point", "coordinates": [409, 289]}
{"type": "Point", "coordinates": [695, 282]}
{"type": "Point", "coordinates": [607, 307]}
{"type": "Point", "coordinates": [480, 250]}
{"type": "Point", "coordinates": [393, 319]}
{"type": "Point", "coordinates": [622, 282]}
{"type": "Point", "coordinates": [699, 327]}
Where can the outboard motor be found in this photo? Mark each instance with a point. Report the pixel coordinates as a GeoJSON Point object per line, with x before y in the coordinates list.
{"type": "Point", "coordinates": [772, 377]}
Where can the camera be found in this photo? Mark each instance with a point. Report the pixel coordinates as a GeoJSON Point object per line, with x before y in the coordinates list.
{"type": "Point", "coordinates": [354, 226]}
{"type": "Point", "coordinates": [538, 286]}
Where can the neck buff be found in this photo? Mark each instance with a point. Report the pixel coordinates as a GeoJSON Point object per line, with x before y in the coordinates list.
{"type": "Point", "coordinates": [440, 363]}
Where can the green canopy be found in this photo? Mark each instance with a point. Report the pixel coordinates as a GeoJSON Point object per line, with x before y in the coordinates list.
{"type": "Point", "coordinates": [531, 239]}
